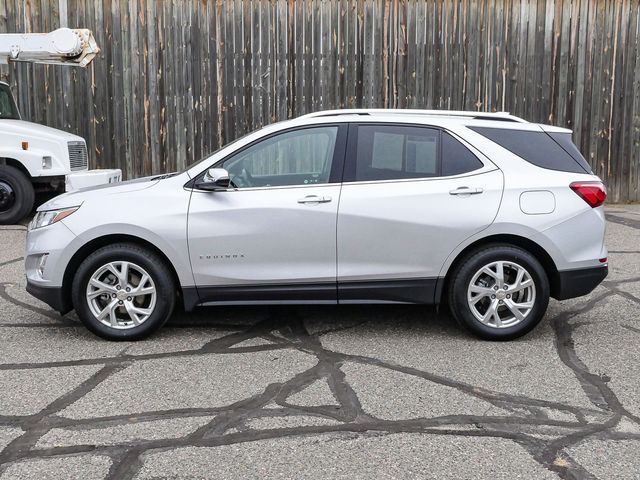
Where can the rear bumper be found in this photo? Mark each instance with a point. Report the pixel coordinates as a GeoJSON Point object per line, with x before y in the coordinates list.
{"type": "Point", "coordinates": [91, 178]}
{"type": "Point", "coordinates": [575, 283]}
{"type": "Point", "coordinates": [52, 296]}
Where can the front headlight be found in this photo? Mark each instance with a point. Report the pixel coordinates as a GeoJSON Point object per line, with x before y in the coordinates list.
{"type": "Point", "coordinates": [48, 217]}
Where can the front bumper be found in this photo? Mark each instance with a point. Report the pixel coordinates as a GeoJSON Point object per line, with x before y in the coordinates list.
{"type": "Point", "coordinates": [59, 244]}
{"type": "Point", "coordinates": [91, 178]}
{"type": "Point", "coordinates": [579, 282]}
{"type": "Point", "coordinates": [52, 296]}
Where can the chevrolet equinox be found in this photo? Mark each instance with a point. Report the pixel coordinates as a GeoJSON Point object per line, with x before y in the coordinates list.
{"type": "Point", "coordinates": [484, 211]}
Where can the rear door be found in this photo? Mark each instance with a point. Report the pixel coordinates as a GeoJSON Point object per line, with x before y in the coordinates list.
{"type": "Point", "coordinates": [410, 195]}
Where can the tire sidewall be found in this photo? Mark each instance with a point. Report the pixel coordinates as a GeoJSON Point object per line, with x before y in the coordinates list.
{"type": "Point", "coordinates": [470, 267]}
{"type": "Point", "coordinates": [25, 195]}
{"type": "Point", "coordinates": [161, 276]}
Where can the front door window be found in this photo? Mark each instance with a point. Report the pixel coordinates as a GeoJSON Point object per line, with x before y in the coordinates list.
{"type": "Point", "coordinates": [298, 157]}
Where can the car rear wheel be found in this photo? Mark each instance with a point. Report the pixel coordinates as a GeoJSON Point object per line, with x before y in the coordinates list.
{"type": "Point", "coordinates": [123, 292]}
{"type": "Point", "coordinates": [499, 292]}
{"type": "Point", "coordinates": [16, 195]}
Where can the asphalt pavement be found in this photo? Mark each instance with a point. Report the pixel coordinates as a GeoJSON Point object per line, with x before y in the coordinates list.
{"type": "Point", "coordinates": [325, 392]}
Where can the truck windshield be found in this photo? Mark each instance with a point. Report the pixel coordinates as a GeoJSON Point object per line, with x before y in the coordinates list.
{"type": "Point", "coordinates": [8, 109]}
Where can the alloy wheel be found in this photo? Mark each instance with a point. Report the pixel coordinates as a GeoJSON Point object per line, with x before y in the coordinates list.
{"type": "Point", "coordinates": [501, 294]}
{"type": "Point", "coordinates": [121, 295]}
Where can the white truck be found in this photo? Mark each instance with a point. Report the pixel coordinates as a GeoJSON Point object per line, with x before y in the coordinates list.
{"type": "Point", "coordinates": [34, 157]}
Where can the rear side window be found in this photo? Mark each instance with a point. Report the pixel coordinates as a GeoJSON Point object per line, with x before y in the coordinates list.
{"type": "Point", "coordinates": [565, 141]}
{"type": "Point", "coordinates": [537, 148]}
{"type": "Point", "coordinates": [387, 152]}
{"type": "Point", "coordinates": [456, 158]}
{"type": "Point", "coordinates": [395, 152]}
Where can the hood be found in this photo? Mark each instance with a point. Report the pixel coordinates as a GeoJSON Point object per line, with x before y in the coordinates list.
{"type": "Point", "coordinates": [77, 197]}
{"type": "Point", "coordinates": [30, 129]}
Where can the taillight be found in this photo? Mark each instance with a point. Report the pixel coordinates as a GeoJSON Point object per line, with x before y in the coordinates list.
{"type": "Point", "coordinates": [593, 193]}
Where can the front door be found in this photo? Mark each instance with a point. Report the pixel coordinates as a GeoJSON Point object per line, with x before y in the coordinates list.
{"type": "Point", "coordinates": [273, 236]}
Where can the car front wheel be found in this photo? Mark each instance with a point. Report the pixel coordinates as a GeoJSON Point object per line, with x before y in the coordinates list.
{"type": "Point", "coordinates": [123, 292]}
{"type": "Point", "coordinates": [499, 292]}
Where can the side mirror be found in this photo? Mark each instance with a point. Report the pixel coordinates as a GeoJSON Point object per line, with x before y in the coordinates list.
{"type": "Point", "coordinates": [214, 179]}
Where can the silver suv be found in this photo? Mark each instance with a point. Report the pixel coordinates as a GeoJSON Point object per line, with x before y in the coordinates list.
{"type": "Point", "coordinates": [484, 211]}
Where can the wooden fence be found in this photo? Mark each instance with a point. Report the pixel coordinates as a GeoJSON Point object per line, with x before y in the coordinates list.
{"type": "Point", "coordinates": [178, 78]}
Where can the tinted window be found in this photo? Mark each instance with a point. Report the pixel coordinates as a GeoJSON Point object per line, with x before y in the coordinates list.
{"type": "Point", "coordinates": [456, 158]}
{"type": "Point", "coordinates": [298, 157]}
{"type": "Point", "coordinates": [537, 148]}
{"type": "Point", "coordinates": [394, 152]}
{"type": "Point", "coordinates": [8, 108]}
{"type": "Point", "coordinates": [565, 141]}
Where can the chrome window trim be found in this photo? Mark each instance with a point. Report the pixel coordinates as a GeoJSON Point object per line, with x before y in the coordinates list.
{"type": "Point", "coordinates": [278, 187]}
{"type": "Point", "coordinates": [487, 165]}
{"type": "Point", "coordinates": [190, 185]}
{"type": "Point", "coordinates": [473, 173]}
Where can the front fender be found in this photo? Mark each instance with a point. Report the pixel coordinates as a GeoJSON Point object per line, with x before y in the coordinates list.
{"type": "Point", "coordinates": [175, 249]}
{"type": "Point", "coordinates": [31, 159]}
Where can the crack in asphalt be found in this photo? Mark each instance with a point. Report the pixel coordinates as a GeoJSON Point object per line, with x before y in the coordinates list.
{"type": "Point", "coordinates": [632, 329]}
{"type": "Point", "coordinates": [627, 222]}
{"type": "Point", "coordinates": [526, 420]}
{"type": "Point", "coordinates": [41, 311]}
{"type": "Point", "coordinates": [36, 426]}
{"type": "Point", "coordinates": [9, 262]}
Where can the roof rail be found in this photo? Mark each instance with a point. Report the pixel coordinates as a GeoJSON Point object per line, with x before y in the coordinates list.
{"type": "Point", "coordinates": [500, 116]}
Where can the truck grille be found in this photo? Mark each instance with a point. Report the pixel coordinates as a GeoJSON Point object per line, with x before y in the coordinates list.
{"type": "Point", "coordinates": [78, 155]}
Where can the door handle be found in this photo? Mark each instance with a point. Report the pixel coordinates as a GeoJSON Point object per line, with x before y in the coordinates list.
{"type": "Point", "coordinates": [466, 191]}
{"type": "Point", "coordinates": [314, 199]}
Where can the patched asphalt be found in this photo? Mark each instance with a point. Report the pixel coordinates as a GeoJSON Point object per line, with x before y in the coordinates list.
{"type": "Point", "coordinates": [325, 392]}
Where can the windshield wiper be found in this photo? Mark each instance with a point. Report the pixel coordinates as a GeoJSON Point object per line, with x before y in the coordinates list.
{"type": "Point", "coordinates": [163, 176]}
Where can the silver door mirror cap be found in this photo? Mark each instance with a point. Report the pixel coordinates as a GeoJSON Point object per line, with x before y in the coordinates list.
{"type": "Point", "coordinates": [214, 179]}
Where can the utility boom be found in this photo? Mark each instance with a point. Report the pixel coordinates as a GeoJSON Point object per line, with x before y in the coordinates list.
{"type": "Point", "coordinates": [63, 46]}
{"type": "Point", "coordinates": [35, 158]}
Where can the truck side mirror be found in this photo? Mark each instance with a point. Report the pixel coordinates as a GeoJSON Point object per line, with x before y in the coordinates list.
{"type": "Point", "coordinates": [215, 179]}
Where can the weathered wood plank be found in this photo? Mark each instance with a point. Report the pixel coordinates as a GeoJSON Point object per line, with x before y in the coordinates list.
{"type": "Point", "coordinates": [178, 78]}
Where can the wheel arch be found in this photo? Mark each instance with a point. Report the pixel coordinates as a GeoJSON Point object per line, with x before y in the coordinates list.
{"type": "Point", "coordinates": [12, 162]}
{"type": "Point", "coordinates": [85, 250]}
{"type": "Point", "coordinates": [527, 244]}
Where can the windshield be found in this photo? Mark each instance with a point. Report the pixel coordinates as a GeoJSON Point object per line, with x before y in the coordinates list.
{"type": "Point", "coordinates": [8, 109]}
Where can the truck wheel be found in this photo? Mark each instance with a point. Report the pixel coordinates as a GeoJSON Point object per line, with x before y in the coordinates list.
{"type": "Point", "coordinates": [16, 195]}
{"type": "Point", "coordinates": [123, 292]}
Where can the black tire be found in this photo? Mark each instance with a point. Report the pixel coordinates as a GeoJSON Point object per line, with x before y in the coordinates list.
{"type": "Point", "coordinates": [16, 195]}
{"type": "Point", "coordinates": [463, 275]}
{"type": "Point", "coordinates": [154, 266]}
